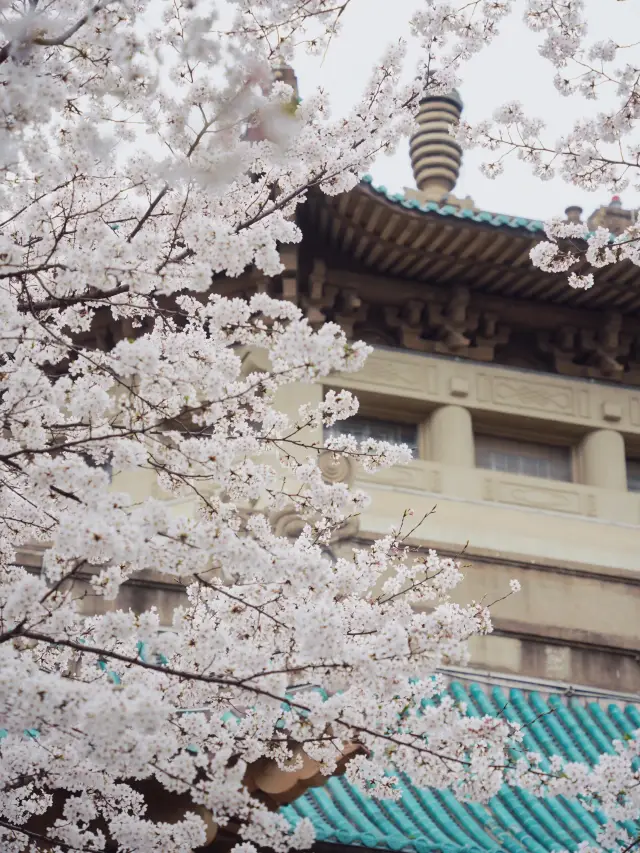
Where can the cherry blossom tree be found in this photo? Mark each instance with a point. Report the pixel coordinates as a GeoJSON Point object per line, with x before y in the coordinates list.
{"type": "Point", "coordinates": [131, 184]}
{"type": "Point", "coordinates": [133, 180]}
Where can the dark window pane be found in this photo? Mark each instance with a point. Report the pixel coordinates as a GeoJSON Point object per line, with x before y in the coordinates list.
{"type": "Point", "coordinates": [523, 457]}
{"type": "Point", "coordinates": [633, 475]}
{"type": "Point", "coordinates": [361, 428]}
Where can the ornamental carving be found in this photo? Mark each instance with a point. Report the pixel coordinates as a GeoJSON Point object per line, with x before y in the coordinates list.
{"type": "Point", "coordinates": [549, 498]}
{"type": "Point", "coordinates": [419, 476]}
{"type": "Point", "coordinates": [289, 523]}
{"type": "Point", "coordinates": [543, 396]}
{"type": "Point", "coordinates": [452, 325]}
{"type": "Point", "coordinates": [349, 311]}
{"type": "Point", "coordinates": [451, 328]}
{"type": "Point", "coordinates": [407, 321]}
{"type": "Point", "coordinates": [336, 468]}
{"type": "Point", "coordinates": [289, 275]}
{"type": "Point", "coordinates": [320, 296]}
{"type": "Point", "coordinates": [379, 370]}
{"type": "Point", "coordinates": [324, 301]}
{"type": "Point", "coordinates": [591, 353]}
{"type": "Point", "coordinates": [460, 322]}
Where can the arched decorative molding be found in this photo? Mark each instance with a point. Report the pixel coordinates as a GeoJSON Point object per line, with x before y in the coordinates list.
{"type": "Point", "coordinates": [336, 468]}
{"type": "Point", "coordinates": [288, 522]}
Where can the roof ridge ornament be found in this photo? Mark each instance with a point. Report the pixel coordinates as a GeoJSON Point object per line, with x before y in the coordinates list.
{"type": "Point", "coordinates": [613, 216]}
{"type": "Point", "coordinates": [435, 155]}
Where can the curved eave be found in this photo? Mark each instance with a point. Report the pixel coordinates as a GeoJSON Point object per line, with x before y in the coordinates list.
{"type": "Point", "coordinates": [388, 235]}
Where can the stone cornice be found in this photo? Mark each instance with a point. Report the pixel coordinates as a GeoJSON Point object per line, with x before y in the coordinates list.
{"type": "Point", "coordinates": [422, 381]}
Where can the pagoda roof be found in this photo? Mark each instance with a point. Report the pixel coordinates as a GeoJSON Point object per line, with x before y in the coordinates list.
{"type": "Point", "coordinates": [513, 821]}
{"type": "Point", "coordinates": [388, 235]}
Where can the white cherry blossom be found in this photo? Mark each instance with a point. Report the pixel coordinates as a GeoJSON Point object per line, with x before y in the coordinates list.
{"type": "Point", "coordinates": [145, 156]}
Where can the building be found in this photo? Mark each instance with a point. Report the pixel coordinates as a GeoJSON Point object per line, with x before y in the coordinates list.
{"type": "Point", "coordinates": [521, 399]}
{"type": "Point", "coordinates": [519, 396]}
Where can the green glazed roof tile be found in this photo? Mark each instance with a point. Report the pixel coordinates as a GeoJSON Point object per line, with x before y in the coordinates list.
{"type": "Point", "coordinates": [430, 821]}
{"type": "Point", "coordinates": [633, 714]}
{"type": "Point", "coordinates": [484, 216]}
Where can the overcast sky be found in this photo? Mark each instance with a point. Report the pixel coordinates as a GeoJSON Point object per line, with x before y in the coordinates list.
{"type": "Point", "coordinates": [510, 69]}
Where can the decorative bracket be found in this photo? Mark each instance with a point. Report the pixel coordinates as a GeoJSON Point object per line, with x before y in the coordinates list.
{"type": "Point", "coordinates": [450, 329]}
{"type": "Point", "coordinates": [589, 353]}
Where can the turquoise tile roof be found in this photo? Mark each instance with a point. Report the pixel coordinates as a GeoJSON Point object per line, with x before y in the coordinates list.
{"type": "Point", "coordinates": [512, 822]}
{"type": "Point", "coordinates": [498, 220]}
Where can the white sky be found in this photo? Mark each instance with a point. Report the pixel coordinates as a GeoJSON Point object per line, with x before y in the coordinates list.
{"type": "Point", "coordinates": [508, 70]}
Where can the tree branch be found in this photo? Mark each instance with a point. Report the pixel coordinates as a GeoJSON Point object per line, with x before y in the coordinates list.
{"type": "Point", "coordinates": [5, 51]}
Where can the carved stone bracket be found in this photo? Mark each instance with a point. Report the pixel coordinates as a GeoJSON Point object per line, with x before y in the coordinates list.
{"type": "Point", "coordinates": [589, 353]}
{"type": "Point", "coordinates": [321, 296]}
{"type": "Point", "coordinates": [491, 334]}
{"type": "Point", "coordinates": [604, 348]}
{"type": "Point", "coordinates": [561, 346]}
{"type": "Point", "coordinates": [450, 329]}
{"type": "Point", "coordinates": [350, 310]}
{"type": "Point", "coordinates": [289, 275]}
{"type": "Point", "coordinates": [452, 325]}
{"type": "Point", "coordinates": [407, 321]}
{"type": "Point", "coordinates": [324, 301]}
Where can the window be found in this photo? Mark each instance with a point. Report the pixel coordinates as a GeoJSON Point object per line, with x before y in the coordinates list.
{"type": "Point", "coordinates": [523, 457]}
{"type": "Point", "coordinates": [633, 475]}
{"type": "Point", "coordinates": [361, 428]}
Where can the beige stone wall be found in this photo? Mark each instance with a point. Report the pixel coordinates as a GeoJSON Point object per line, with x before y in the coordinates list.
{"type": "Point", "coordinates": [574, 546]}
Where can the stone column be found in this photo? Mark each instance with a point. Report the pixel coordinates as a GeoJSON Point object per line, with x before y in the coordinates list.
{"type": "Point", "coordinates": [602, 460]}
{"type": "Point", "coordinates": [450, 437]}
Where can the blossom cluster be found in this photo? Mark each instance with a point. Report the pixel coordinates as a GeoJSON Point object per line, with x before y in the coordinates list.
{"type": "Point", "coordinates": [133, 180]}
{"type": "Point", "coordinates": [571, 243]}
{"type": "Point", "coordinates": [343, 642]}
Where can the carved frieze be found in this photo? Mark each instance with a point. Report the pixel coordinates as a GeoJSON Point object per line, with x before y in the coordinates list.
{"type": "Point", "coordinates": [419, 476]}
{"type": "Point", "coordinates": [551, 498]}
{"type": "Point", "coordinates": [527, 394]}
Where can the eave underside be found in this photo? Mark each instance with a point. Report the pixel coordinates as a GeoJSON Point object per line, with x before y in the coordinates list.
{"type": "Point", "coordinates": [365, 231]}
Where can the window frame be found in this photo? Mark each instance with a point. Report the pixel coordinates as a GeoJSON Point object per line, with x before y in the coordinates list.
{"type": "Point", "coordinates": [526, 443]}
{"type": "Point", "coordinates": [343, 427]}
